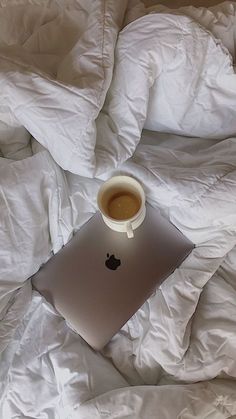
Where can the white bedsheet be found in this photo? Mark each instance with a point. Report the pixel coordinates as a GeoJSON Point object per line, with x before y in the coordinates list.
{"type": "Point", "coordinates": [185, 333]}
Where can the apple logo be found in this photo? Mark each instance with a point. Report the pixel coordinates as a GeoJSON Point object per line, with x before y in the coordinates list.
{"type": "Point", "coordinates": [112, 263]}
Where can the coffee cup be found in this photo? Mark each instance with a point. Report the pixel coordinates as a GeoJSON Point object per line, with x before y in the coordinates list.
{"type": "Point", "coordinates": [121, 201]}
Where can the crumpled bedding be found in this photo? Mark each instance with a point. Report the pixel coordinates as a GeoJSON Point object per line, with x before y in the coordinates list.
{"type": "Point", "coordinates": [177, 72]}
{"type": "Point", "coordinates": [175, 358]}
{"type": "Point", "coordinates": [58, 59]}
{"type": "Point", "coordinates": [170, 75]}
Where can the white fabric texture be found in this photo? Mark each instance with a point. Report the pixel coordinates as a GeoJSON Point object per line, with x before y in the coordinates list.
{"type": "Point", "coordinates": [170, 75]}
{"type": "Point", "coordinates": [175, 358]}
{"type": "Point", "coordinates": [55, 72]}
{"type": "Point", "coordinates": [59, 67]}
{"type": "Point", "coordinates": [219, 20]}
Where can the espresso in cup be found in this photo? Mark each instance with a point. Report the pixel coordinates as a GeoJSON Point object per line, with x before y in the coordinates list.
{"type": "Point", "coordinates": [121, 201]}
{"type": "Point", "coordinates": [123, 205]}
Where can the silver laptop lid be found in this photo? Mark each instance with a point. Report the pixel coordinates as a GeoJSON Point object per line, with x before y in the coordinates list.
{"type": "Point", "coordinates": [101, 278]}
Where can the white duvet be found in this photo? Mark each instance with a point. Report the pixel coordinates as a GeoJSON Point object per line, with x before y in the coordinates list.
{"type": "Point", "coordinates": [176, 357]}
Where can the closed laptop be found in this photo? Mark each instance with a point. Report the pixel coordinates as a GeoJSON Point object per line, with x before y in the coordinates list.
{"type": "Point", "coordinates": [101, 277]}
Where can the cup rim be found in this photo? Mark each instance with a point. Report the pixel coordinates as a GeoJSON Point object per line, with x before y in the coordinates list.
{"type": "Point", "coordinates": [124, 220]}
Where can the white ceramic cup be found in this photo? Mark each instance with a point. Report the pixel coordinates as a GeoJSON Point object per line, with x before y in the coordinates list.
{"type": "Point", "coordinates": [110, 188]}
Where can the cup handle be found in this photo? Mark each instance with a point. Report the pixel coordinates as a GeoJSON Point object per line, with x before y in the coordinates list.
{"type": "Point", "coordinates": [129, 231]}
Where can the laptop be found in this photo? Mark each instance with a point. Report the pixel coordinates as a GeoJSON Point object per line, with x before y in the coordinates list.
{"type": "Point", "coordinates": [100, 278]}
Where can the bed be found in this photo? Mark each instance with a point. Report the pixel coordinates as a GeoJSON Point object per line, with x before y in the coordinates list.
{"type": "Point", "coordinates": [90, 89]}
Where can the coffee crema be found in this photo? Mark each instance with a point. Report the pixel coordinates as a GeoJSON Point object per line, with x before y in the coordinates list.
{"type": "Point", "coordinates": [123, 205]}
